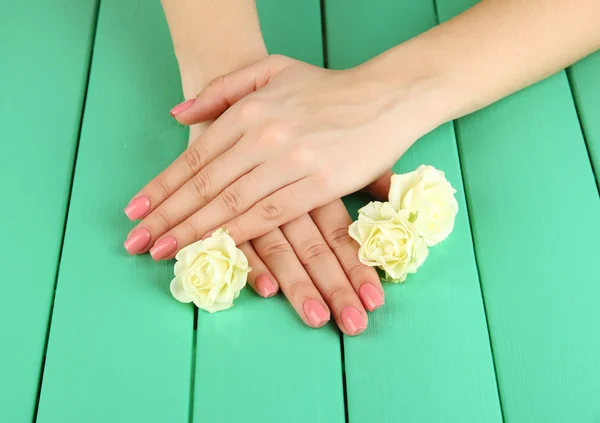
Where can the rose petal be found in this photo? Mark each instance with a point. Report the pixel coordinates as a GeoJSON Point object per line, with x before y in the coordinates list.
{"type": "Point", "coordinates": [178, 291]}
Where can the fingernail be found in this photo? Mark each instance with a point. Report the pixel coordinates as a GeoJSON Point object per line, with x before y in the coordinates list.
{"type": "Point", "coordinates": [315, 312]}
{"type": "Point", "coordinates": [137, 241]}
{"type": "Point", "coordinates": [353, 320]}
{"type": "Point", "coordinates": [137, 207]}
{"type": "Point", "coordinates": [265, 287]}
{"type": "Point", "coordinates": [370, 296]}
{"type": "Point", "coordinates": [182, 107]}
{"type": "Point", "coordinates": [163, 248]}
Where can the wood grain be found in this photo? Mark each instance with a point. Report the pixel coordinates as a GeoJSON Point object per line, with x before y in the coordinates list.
{"type": "Point", "coordinates": [260, 353]}
{"type": "Point", "coordinates": [44, 58]}
{"type": "Point", "coordinates": [585, 83]}
{"type": "Point", "coordinates": [426, 355]}
{"type": "Point", "coordinates": [120, 347]}
{"type": "Point", "coordinates": [536, 224]}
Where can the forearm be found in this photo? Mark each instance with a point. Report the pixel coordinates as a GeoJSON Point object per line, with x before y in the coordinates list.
{"type": "Point", "coordinates": [212, 37]}
{"type": "Point", "coordinates": [494, 49]}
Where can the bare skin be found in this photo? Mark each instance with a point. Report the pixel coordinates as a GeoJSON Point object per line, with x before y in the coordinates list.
{"type": "Point", "coordinates": [310, 259]}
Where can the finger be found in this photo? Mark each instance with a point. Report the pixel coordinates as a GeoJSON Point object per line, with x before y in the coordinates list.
{"type": "Point", "coordinates": [380, 188]}
{"type": "Point", "coordinates": [326, 273]}
{"type": "Point", "coordinates": [275, 210]}
{"type": "Point", "coordinates": [236, 199]}
{"type": "Point", "coordinates": [224, 91]}
{"type": "Point", "coordinates": [333, 221]}
{"type": "Point", "coordinates": [189, 201]}
{"type": "Point", "coordinates": [217, 139]}
{"type": "Point", "coordinates": [260, 277]}
{"type": "Point", "coordinates": [277, 253]}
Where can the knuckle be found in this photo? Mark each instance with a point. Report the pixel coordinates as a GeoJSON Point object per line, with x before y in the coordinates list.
{"type": "Point", "coordinates": [216, 84]}
{"type": "Point", "coordinates": [250, 110]}
{"type": "Point", "coordinates": [276, 248]}
{"type": "Point", "coordinates": [193, 159]}
{"type": "Point", "coordinates": [325, 176]}
{"type": "Point", "coordinates": [358, 272]}
{"type": "Point", "coordinates": [162, 217]}
{"type": "Point", "coordinates": [231, 200]}
{"type": "Point", "coordinates": [271, 212]}
{"type": "Point", "coordinates": [200, 187]}
{"type": "Point", "coordinates": [337, 293]}
{"type": "Point", "coordinates": [189, 227]}
{"type": "Point", "coordinates": [274, 133]}
{"type": "Point", "coordinates": [314, 251]}
{"type": "Point", "coordinates": [161, 187]}
{"type": "Point", "coordinates": [338, 237]}
{"type": "Point", "coordinates": [302, 156]}
{"type": "Point", "coordinates": [296, 287]}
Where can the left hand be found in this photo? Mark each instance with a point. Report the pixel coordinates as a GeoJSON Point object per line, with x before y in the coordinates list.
{"type": "Point", "coordinates": [289, 137]}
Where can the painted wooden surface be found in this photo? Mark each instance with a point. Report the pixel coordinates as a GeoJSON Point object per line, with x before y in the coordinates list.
{"type": "Point", "coordinates": [585, 83]}
{"type": "Point", "coordinates": [499, 324]}
{"type": "Point", "coordinates": [120, 349]}
{"type": "Point", "coordinates": [259, 352]}
{"type": "Point", "coordinates": [44, 57]}
{"type": "Point", "coordinates": [431, 337]}
{"type": "Point", "coordinates": [536, 225]}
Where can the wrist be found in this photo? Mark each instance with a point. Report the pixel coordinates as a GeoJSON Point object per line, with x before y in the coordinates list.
{"type": "Point", "coordinates": [416, 84]}
{"type": "Point", "coordinates": [197, 69]}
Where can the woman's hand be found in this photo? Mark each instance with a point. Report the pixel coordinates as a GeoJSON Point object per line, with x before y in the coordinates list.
{"type": "Point", "coordinates": [289, 137]}
{"type": "Point", "coordinates": [315, 263]}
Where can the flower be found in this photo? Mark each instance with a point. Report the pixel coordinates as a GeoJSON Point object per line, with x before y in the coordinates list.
{"type": "Point", "coordinates": [388, 240]}
{"type": "Point", "coordinates": [427, 193]}
{"type": "Point", "coordinates": [210, 272]}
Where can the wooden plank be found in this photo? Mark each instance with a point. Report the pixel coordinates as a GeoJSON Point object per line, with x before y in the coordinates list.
{"type": "Point", "coordinates": [426, 355]}
{"type": "Point", "coordinates": [536, 224]}
{"type": "Point", "coordinates": [585, 83]}
{"type": "Point", "coordinates": [120, 347]}
{"type": "Point", "coordinates": [292, 28]}
{"type": "Point", "coordinates": [44, 57]}
{"type": "Point", "coordinates": [259, 353]}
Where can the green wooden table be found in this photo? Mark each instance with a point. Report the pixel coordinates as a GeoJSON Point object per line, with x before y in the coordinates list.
{"type": "Point", "coordinates": [501, 324]}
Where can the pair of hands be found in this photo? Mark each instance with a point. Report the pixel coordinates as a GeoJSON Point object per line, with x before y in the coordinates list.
{"type": "Point", "coordinates": [288, 139]}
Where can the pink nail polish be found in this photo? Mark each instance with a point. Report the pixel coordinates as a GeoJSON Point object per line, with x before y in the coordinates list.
{"type": "Point", "coordinates": [182, 107]}
{"type": "Point", "coordinates": [264, 286]}
{"type": "Point", "coordinates": [353, 320]}
{"type": "Point", "coordinates": [315, 312]}
{"type": "Point", "coordinates": [371, 297]}
{"type": "Point", "coordinates": [164, 248]}
{"type": "Point", "coordinates": [137, 241]}
{"type": "Point", "coordinates": [137, 207]}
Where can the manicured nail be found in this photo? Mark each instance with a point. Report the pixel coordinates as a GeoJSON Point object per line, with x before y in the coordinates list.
{"type": "Point", "coordinates": [164, 248]}
{"type": "Point", "coordinates": [315, 312]}
{"type": "Point", "coordinates": [137, 241]}
{"type": "Point", "coordinates": [265, 286]}
{"type": "Point", "coordinates": [137, 207]}
{"type": "Point", "coordinates": [353, 320]}
{"type": "Point", "coordinates": [370, 296]}
{"type": "Point", "coordinates": [182, 107]}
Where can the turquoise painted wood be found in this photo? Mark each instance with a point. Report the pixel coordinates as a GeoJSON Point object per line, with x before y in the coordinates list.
{"type": "Point", "coordinates": [293, 28]}
{"type": "Point", "coordinates": [44, 57]}
{"type": "Point", "coordinates": [585, 83]}
{"type": "Point", "coordinates": [259, 352]}
{"type": "Point", "coordinates": [429, 343]}
{"type": "Point", "coordinates": [526, 169]}
{"type": "Point", "coordinates": [120, 348]}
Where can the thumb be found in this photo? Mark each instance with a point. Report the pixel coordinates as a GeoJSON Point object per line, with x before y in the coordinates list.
{"type": "Point", "coordinates": [380, 187]}
{"type": "Point", "coordinates": [226, 90]}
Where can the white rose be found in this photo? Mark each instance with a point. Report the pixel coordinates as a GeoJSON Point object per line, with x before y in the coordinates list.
{"type": "Point", "coordinates": [427, 193]}
{"type": "Point", "coordinates": [388, 240]}
{"type": "Point", "coordinates": [210, 272]}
